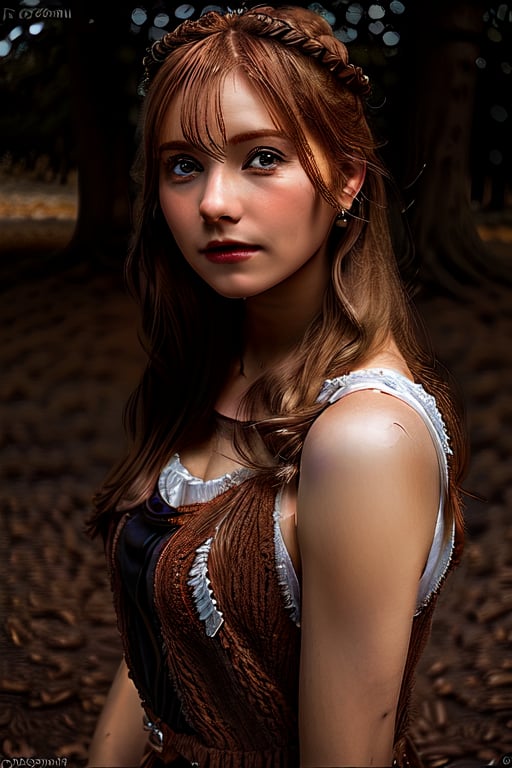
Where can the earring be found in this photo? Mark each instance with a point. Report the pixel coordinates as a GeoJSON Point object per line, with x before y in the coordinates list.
{"type": "Point", "coordinates": [341, 219]}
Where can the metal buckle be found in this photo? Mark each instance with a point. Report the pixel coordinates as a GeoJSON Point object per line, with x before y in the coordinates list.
{"type": "Point", "coordinates": [156, 736]}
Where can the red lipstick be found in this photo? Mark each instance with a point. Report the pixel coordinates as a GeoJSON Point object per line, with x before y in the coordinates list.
{"type": "Point", "coordinates": [228, 251]}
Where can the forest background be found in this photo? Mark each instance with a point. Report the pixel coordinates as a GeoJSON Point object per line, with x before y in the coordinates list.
{"type": "Point", "coordinates": [69, 76]}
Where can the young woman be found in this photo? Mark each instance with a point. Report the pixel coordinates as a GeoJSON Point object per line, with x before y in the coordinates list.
{"type": "Point", "coordinates": [289, 508]}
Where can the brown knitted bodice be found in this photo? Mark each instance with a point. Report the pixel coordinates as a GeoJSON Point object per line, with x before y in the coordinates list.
{"type": "Point", "coordinates": [238, 688]}
{"type": "Point", "coordinates": [223, 695]}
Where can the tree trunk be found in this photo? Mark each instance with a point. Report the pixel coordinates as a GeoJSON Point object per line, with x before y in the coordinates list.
{"type": "Point", "coordinates": [450, 249]}
{"type": "Point", "coordinates": [102, 133]}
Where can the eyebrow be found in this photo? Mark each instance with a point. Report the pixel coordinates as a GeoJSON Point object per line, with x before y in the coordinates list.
{"type": "Point", "coordinates": [173, 145]}
{"type": "Point", "coordinates": [251, 135]}
{"type": "Point", "coordinates": [239, 138]}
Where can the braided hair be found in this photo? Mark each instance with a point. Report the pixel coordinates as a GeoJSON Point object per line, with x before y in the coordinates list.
{"type": "Point", "coordinates": [325, 48]}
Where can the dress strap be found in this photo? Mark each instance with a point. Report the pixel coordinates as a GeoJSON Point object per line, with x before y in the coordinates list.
{"type": "Point", "coordinates": [392, 382]}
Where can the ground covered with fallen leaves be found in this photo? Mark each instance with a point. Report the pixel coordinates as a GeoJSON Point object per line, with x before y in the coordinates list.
{"type": "Point", "coordinates": [69, 358]}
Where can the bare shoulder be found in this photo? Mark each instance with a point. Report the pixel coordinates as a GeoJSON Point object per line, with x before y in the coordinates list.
{"type": "Point", "coordinates": [369, 486]}
{"type": "Point", "coordinates": [367, 426]}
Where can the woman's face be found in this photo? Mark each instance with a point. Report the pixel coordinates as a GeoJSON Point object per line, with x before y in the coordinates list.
{"type": "Point", "coordinates": [251, 220]}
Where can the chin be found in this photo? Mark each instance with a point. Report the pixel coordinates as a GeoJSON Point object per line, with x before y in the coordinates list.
{"type": "Point", "coordinates": [232, 294]}
{"type": "Point", "coordinates": [236, 291]}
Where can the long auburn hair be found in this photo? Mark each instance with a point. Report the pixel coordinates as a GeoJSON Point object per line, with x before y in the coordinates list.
{"type": "Point", "coordinates": [302, 74]}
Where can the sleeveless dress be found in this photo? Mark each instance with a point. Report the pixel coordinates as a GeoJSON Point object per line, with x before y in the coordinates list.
{"type": "Point", "coordinates": [208, 607]}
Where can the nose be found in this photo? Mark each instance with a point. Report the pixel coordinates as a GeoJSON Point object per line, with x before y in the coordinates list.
{"type": "Point", "coordinates": [220, 196]}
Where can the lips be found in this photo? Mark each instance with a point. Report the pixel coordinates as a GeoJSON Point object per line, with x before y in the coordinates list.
{"type": "Point", "coordinates": [228, 251]}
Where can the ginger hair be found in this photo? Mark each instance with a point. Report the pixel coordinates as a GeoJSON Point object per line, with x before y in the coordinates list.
{"type": "Point", "coordinates": [302, 74]}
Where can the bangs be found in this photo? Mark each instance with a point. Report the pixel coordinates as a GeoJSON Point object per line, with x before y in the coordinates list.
{"type": "Point", "coordinates": [200, 80]}
{"type": "Point", "coordinates": [194, 79]}
{"type": "Point", "coordinates": [195, 74]}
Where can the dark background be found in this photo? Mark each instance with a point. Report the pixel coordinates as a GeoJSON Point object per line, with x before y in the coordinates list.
{"type": "Point", "coordinates": [442, 105]}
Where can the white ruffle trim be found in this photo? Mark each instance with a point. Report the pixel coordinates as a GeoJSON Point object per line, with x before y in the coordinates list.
{"type": "Point", "coordinates": [179, 487]}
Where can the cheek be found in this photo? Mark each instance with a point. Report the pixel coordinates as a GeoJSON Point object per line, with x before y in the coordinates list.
{"type": "Point", "coordinates": [164, 201]}
{"type": "Point", "coordinates": [310, 204]}
{"type": "Point", "coordinates": [296, 206]}
{"type": "Point", "coordinates": [172, 208]}
{"type": "Point", "coordinates": [315, 215]}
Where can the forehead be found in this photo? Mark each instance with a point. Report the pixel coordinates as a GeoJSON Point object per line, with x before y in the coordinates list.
{"type": "Point", "coordinates": [235, 108]}
{"type": "Point", "coordinates": [231, 109]}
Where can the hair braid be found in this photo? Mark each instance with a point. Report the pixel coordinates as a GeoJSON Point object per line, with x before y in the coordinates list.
{"type": "Point", "coordinates": [324, 48]}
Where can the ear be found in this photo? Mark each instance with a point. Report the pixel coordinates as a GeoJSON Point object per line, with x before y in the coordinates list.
{"type": "Point", "coordinates": [355, 173]}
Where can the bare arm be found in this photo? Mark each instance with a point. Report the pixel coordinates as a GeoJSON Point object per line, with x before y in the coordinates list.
{"type": "Point", "coordinates": [367, 506]}
{"type": "Point", "coordinates": [119, 738]}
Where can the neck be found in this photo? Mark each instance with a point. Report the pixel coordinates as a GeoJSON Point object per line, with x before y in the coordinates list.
{"type": "Point", "coordinates": [278, 319]}
{"type": "Point", "coordinates": [275, 321]}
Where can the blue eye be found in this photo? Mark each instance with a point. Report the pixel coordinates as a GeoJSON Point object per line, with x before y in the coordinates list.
{"type": "Point", "coordinates": [264, 160]}
{"type": "Point", "coordinates": [182, 167]}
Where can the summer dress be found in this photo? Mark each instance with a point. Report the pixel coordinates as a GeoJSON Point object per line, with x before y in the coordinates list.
{"type": "Point", "coordinates": [208, 605]}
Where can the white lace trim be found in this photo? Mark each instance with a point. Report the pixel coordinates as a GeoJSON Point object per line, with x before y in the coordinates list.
{"type": "Point", "coordinates": [393, 383]}
{"type": "Point", "coordinates": [397, 384]}
{"type": "Point", "coordinates": [179, 487]}
{"type": "Point", "coordinates": [204, 600]}
{"type": "Point", "coordinates": [286, 575]}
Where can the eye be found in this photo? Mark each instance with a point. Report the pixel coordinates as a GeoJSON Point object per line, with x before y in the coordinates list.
{"type": "Point", "coordinates": [264, 160]}
{"type": "Point", "coordinates": [182, 167]}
